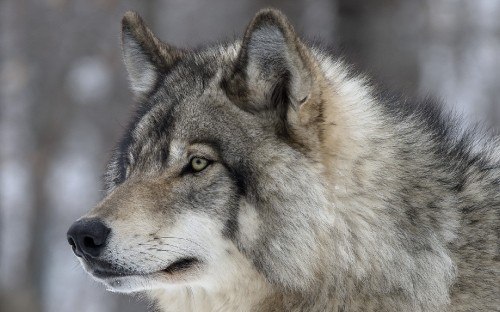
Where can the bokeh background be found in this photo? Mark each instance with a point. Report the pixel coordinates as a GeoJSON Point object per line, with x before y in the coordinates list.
{"type": "Point", "coordinates": [64, 101]}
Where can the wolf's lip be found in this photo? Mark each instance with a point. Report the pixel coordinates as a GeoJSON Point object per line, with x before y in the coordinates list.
{"type": "Point", "coordinates": [108, 274]}
{"type": "Point", "coordinates": [103, 269]}
{"type": "Point", "coordinates": [181, 265]}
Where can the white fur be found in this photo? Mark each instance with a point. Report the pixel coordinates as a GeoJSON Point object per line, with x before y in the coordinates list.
{"type": "Point", "coordinates": [142, 74]}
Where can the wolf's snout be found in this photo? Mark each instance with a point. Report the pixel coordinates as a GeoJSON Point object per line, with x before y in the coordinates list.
{"type": "Point", "coordinates": [88, 237]}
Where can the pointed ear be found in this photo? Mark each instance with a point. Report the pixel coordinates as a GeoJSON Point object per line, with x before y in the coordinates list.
{"type": "Point", "coordinates": [146, 57]}
{"type": "Point", "coordinates": [273, 68]}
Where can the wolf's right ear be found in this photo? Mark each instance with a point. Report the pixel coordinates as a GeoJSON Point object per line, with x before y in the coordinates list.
{"type": "Point", "coordinates": [146, 57]}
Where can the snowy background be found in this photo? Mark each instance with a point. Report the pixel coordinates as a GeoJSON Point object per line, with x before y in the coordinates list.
{"type": "Point", "coordinates": [64, 100]}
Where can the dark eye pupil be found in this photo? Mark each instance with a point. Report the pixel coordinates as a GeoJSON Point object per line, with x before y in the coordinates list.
{"type": "Point", "coordinates": [198, 164]}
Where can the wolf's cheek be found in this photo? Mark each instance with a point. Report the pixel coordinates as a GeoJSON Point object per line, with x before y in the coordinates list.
{"type": "Point", "coordinates": [249, 224]}
{"type": "Point", "coordinates": [215, 194]}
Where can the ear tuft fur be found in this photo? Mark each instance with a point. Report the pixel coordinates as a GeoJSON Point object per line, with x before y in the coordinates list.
{"type": "Point", "coordinates": [146, 57]}
{"type": "Point", "coordinates": [131, 20]}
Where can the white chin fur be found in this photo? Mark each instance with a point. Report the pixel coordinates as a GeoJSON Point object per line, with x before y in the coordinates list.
{"type": "Point", "coordinates": [131, 284]}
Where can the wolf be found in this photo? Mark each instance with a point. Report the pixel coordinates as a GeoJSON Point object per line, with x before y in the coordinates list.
{"type": "Point", "coordinates": [264, 174]}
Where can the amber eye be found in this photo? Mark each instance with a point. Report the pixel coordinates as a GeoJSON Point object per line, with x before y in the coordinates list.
{"type": "Point", "coordinates": [198, 164]}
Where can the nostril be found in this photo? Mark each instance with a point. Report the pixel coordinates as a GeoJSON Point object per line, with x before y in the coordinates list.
{"type": "Point", "coordinates": [89, 242]}
{"type": "Point", "coordinates": [74, 247]}
{"type": "Point", "coordinates": [71, 242]}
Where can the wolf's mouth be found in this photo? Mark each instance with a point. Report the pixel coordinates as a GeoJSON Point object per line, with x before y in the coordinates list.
{"type": "Point", "coordinates": [106, 271]}
{"type": "Point", "coordinates": [181, 265]}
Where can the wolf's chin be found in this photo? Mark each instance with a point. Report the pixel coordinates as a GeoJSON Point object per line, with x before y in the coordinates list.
{"type": "Point", "coordinates": [129, 284]}
{"type": "Point", "coordinates": [133, 283]}
{"type": "Point", "coordinates": [140, 283]}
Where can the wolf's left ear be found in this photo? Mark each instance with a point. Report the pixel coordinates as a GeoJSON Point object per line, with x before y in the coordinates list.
{"type": "Point", "coordinates": [273, 68]}
{"type": "Point", "coordinates": [146, 57]}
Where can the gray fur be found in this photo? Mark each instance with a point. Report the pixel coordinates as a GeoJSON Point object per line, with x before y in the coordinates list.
{"type": "Point", "coordinates": [321, 193]}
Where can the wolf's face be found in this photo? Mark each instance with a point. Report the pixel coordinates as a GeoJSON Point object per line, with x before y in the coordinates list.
{"type": "Point", "coordinates": [218, 172]}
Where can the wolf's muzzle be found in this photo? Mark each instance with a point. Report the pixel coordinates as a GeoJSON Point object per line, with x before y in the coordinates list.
{"type": "Point", "coordinates": [88, 237]}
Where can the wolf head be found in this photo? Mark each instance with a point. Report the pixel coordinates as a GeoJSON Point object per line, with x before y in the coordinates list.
{"type": "Point", "coordinates": [219, 164]}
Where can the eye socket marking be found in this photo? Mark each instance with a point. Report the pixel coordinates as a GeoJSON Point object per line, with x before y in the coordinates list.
{"type": "Point", "coordinates": [198, 164]}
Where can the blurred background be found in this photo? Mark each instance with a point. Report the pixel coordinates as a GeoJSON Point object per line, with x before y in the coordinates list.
{"type": "Point", "coordinates": [64, 100]}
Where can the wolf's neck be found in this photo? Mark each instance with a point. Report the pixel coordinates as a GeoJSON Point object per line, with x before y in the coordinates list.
{"type": "Point", "coordinates": [368, 156]}
{"type": "Point", "coordinates": [240, 297]}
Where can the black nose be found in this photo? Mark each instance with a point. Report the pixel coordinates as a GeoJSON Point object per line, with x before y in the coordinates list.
{"type": "Point", "coordinates": [88, 237]}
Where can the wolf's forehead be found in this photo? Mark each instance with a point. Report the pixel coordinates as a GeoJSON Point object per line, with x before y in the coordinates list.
{"type": "Point", "coordinates": [181, 90]}
{"type": "Point", "coordinates": [191, 109]}
{"type": "Point", "coordinates": [172, 124]}
{"type": "Point", "coordinates": [196, 71]}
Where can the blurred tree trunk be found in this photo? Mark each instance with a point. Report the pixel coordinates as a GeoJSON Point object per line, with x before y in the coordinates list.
{"type": "Point", "coordinates": [382, 37]}
{"type": "Point", "coordinates": [445, 49]}
{"type": "Point", "coordinates": [19, 291]}
{"type": "Point", "coordinates": [459, 59]}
